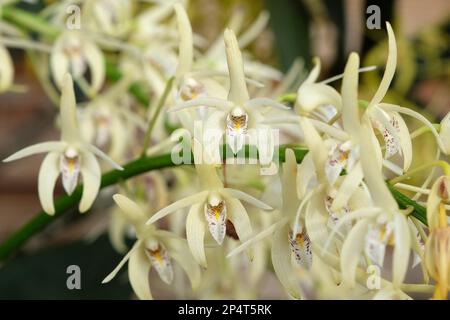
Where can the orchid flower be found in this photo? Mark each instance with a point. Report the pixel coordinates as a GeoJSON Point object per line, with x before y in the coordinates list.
{"type": "Point", "coordinates": [74, 52]}
{"type": "Point", "coordinates": [237, 115]}
{"type": "Point", "coordinates": [286, 244]}
{"type": "Point", "coordinates": [211, 208]}
{"type": "Point", "coordinates": [70, 157]}
{"type": "Point", "coordinates": [153, 249]}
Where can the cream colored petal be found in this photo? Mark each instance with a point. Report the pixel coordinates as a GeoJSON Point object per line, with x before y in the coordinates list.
{"type": "Point", "coordinates": [405, 141]}
{"type": "Point", "coordinates": [289, 182]}
{"type": "Point", "coordinates": [6, 69]}
{"type": "Point", "coordinates": [91, 173]}
{"type": "Point", "coordinates": [237, 194]}
{"type": "Point", "coordinates": [59, 63]}
{"type": "Point", "coordinates": [186, 45]}
{"type": "Point", "coordinates": [351, 182]}
{"type": "Point", "coordinates": [239, 217]}
{"type": "Point", "coordinates": [99, 153]}
{"type": "Point", "coordinates": [238, 88]}
{"type": "Point", "coordinates": [117, 230]}
{"type": "Point", "coordinates": [258, 237]}
{"type": "Point", "coordinates": [374, 179]}
{"type": "Point", "coordinates": [195, 233]}
{"type": "Point", "coordinates": [351, 252]}
{"type": "Point", "coordinates": [198, 198]}
{"type": "Point", "coordinates": [179, 251]}
{"type": "Point", "coordinates": [136, 246]}
{"type": "Point", "coordinates": [416, 115]}
{"type": "Point", "coordinates": [70, 170]}
{"type": "Point", "coordinates": [48, 173]}
{"type": "Point", "coordinates": [281, 261]}
{"type": "Point", "coordinates": [391, 64]}
{"type": "Point", "coordinates": [119, 139]}
{"type": "Point", "coordinates": [96, 62]}
{"type": "Point", "coordinates": [401, 250]}
{"type": "Point", "coordinates": [131, 209]}
{"type": "Point", "coordinates": [68, 111]}
{"type": "Point", "coordinates": [350, 111]}
{"type": "Point", "coordinates": [316, 147]}
{"type": "Point", "coordinates": [51, 146]}
{"type": "Point", "coordinates": [445, 133]}
{"type": "Point", "coordinates": [138, 269]}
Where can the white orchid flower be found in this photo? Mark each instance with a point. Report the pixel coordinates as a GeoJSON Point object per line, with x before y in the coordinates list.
{"type": "Point", "coordinates": [285, 244]}
{"type": "Point", "coordinates": [74, 52]}
{"type": "Point", "coordinates": [237, 115]}
{"type": "Point", "coordinates": [6, 69]}
{"type": "Point", "coordinates": [211, 208]}
{"type": "Point", "coordinates": [71, 157]}
{"type": "Point", "coordinates": [153, 249]}
{"type": "Point", "coordinates": [373, 234]}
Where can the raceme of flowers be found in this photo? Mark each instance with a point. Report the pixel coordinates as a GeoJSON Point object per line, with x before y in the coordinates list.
{"type": "Point", "coordinates": [324, 220]}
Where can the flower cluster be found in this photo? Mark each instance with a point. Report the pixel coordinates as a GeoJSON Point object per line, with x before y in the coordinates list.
{"type": "Point", "coordinates": [327, 218]}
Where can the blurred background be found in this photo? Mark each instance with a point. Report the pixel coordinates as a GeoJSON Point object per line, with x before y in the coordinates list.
{"type": "Point", "coordinates": [329, 29]}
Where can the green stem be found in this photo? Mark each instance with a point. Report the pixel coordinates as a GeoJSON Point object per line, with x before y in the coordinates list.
{"type": "Point", "coordinates": [156, 113]}
{"type": "Point", "coordinates": [144, 164]}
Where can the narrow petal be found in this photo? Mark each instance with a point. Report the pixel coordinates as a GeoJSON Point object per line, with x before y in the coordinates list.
{"type": "Point", "coordinates": [238, 88]}
{"type": "Point", "coordinates": [96, 62]}
{"type": "Point", "coordinates": [99, 153]}
{"type": "Point", "coordinates": [68, 111]}
{"type": "Point", "coordinates": [6, 69]}
{"type": "Point", "coordinates": [109, 277]}
{"type": "Point", "coordinates": [195, 199]}
{"type": "Point", "coordinates": [117, 230]}
{"type": "Point", "coordinates": [138, 269]}
{"type": "Point", "coordinates": [195, 233]}
{"type": "Point", "coordinates": [258, 237]}
{"type": "Point", "coordinates": [350, 114]}
{"type": "Point", "coordinates": [351, 252]}
{"type": "Point", "coordinates": [254, 30]}
{"type": "Point", "coordinates": [179, 251]}
{"type": "Point", "coordinates": [401, 250]}
{"type": "Point", "coordinates": [131, 209]}
{"type": "Point", "coordinates": [57, 146]}
{"type": "Point", "coordinates": [48, 173]}
{"type": "Point", "coordinates": [186, 45]}
{"type": "Point", "coordinates": [374, 179]}
{"type": "Point", "coordinates": [281, 261]}
{"type": "Point", "coordinates": [316, 146]}
{"type": "Point", "coordinates": [234, 193]}
{"type": "Point", "coordinates": [239, 217]}
{"type": "Point", "coordinates": [348, 187]}
{"type": "Point", "coordinates": [391, 64]}
{"type": "Point", "coordinates": [91, 173]}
